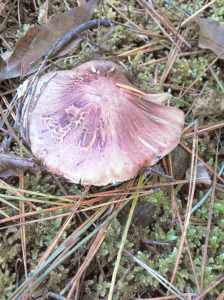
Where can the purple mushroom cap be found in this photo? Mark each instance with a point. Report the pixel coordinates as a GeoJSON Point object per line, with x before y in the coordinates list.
{"type": "Point", "coordinates": [86, 128]}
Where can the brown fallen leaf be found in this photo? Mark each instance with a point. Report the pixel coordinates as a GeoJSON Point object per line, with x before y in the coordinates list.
{"type": "Point", "coordinates": [22, 46]}
{"type": "Point", "coordinates": [211, 35]}
{"type": "Point", "coordinates": [13, 67]}
{"type": "Point", "coordinates": [210, 102]}
{"type": "Point", "coordinates": [11, 165]}
{"type": "Point", "coordinates": [12, 72]}
{"type": "Point", "coordinates": [54, 30]}
{"type": "Point", "coordinates": [15, 72]}
{"type": "Point", "coordinates": [30, 50]}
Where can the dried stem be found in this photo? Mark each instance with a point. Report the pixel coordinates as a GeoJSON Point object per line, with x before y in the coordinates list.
{"type": "Point", "coordinates": [190, 202]}
{"type": "Point", "coordinates": [209, 219]}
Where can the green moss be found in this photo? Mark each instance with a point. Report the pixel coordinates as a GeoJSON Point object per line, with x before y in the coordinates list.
{"type": "Point", "coordinates": [39, 235]}
{"type": "Point", "coordinates": [23, 32]}
{"type": "Point", "coordinates": [10, 248]}
{"type": "Point", "coordinates": [162, 230]}
{"type": "Point", "coordinates": [6, 283]}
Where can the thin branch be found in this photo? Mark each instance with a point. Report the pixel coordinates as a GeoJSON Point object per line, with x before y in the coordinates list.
{"type": "Point", "coordinates": [209, 219]}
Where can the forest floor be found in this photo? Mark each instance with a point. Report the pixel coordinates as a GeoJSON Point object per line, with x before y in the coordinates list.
{"type": "Point", "coordinates": [168, 241]}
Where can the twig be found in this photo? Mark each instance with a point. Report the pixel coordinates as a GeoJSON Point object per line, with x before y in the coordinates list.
{"type": "Point", "coordinates": [210, 287]}
{"type": "Point", "coordinates": [217, 80]}
{"type": "Point", "coordinates": [209, 219]}
{"type": "Point", "coordinates": [147, 33]}
{"type": "Point", "coordinates": [213, 6]}
{"type": "Point", "coordinates": [221, 296]}
{"type": "Point", "coordinates": [13, 133]}
{"type": "Point", "coordinates": [157, 16]}
{"type": "Point", "coordinates": [100, 268]}
{"type": "Point", "coordinates": [3, 5]}
{"type": "Point", "coordinates": [53, 295]}
{"type": "Point", "coordinates": [75, 32]}
{"type": "Point", "coordinates": [171, 59]}
{"type": "Point", "coordinates": [6, 18]}
{"type": "Point", "coordinates": [172, 5]}
{"type": "Point", "coordinates": [5, 42]}
{"type": "Point", "coordinates": [135, 50]}
{"type": "Point", "coordinates": [110, 21]}
{"type": "Point", "coordinates": [46, 11]}
{"type": "Point", "coordinates": [167, 297]}
{"type": "Point", "coordinates": [189, 203]}
{"type": "Point", "coordinates": [95, 246]}
{"type": "Point", "coordinates": [121, 279]}
{"type": "Point", "coordinates": [66, 4]}
{"type": "Point", "coordinates": [149, 12]}
{"type": "Point", "coordinates": [130, 88]}
{"type": "Point", "coordinates": [187, 245]}
{"type": "Point", "coordinates": [8, 92]}
{"type": "Point", "coordinates": [124, 237]}
{"type": "Point", "coordinates": [209, 127]}
{"type": "Point", "coordinates": [35, 5]}
{"type": "Point", "coordinates": [171, 188]}
{"type": "Point", "coordinates": [19, 15]}
{"type": "Point", "coordinates": [197, 12]}
{"type": "Point", "coordinates": [54, 242]}
{"type": "Point", "coordinates": [160, 278]}
{"type": "Point", "coordinates": [10, 189]}
{"type": "Point", "coordinates": [135, 11]}
{"type": "Point", "coordinates": [163, 14]}
{"type": "Point", "coordinates": [59, 234]}
{"type": "Point", "coordinates": [160, 243]}
{"type": "Point", "coordinates": [64, 207]}
{"type": "Point", "coordinates": [178, 55]}
{"type": "Point", "coordinates": [26, 287]}
{"type": "Point", "coordinates": [99, 19]}
{"type": "Point", "coordinates": [22, 220]}
{"type": "Point", "coordinates": [119, 12]}
{"type": "Point", "coordinates": [7, 104]}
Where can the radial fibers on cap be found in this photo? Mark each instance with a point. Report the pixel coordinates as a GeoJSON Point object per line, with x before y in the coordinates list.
{"type": "Point", "coordinates": [86, 128]}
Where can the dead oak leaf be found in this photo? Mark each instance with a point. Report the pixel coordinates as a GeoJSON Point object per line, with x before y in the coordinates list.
{"type": "Point", "coordinates": [30, 50]}
{"type": "Point", "coordinates": [13, 67]}
{"type": "Point", "coordinates": [54, 30]}
{"type": "Point", "coordinates": [211, 35]}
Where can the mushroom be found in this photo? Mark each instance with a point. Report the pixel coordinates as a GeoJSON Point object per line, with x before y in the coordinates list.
{"type": "Point", "coordinates": [91, 125]}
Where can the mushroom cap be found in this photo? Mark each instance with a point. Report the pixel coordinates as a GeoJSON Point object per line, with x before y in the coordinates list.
{"type": "Point", "coordinates": [86, 128]}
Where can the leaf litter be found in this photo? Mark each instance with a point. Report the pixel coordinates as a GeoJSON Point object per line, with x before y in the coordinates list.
{"type": "Point", "coordinates": [55, 29]}
{"type": "Point", "coordinates": [40, 39]}
{"type": "Point", "coordinates": [26, 66]}
{"type": "Point", "coordinates": [211, 35]}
